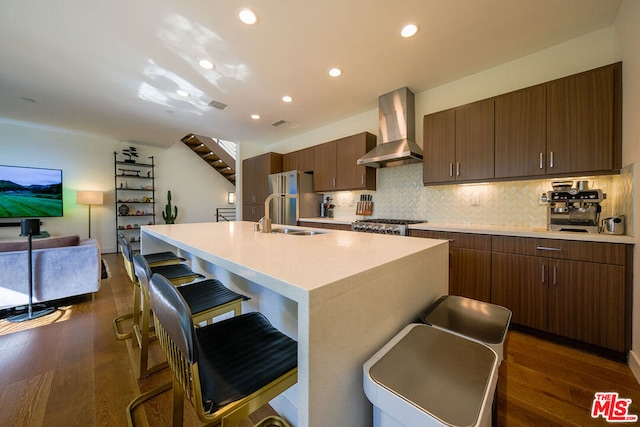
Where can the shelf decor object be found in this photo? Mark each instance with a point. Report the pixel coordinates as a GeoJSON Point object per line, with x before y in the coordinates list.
{"type": "Point", "coordinates": [168, 217]}
{"type": "Point", "coordinates": [90, 198]}
{"type": "Point", "coordinates": [30, 227]}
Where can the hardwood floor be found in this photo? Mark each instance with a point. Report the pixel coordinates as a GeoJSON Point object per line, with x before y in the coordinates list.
{"type": "Point", "coordinates": [67, 369]}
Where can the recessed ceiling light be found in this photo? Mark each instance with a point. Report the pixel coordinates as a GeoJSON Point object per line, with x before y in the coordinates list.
{"type": "Point", "coordinates": [182, 93]}
{"type": "Point", "coordinates": [255, 116]}
{"type": "Point", "coordinates": [248, 16]}
{"type": "Point", "coordinates": [206, 64]}
{"type": "Point", "coordinates": [409, 30]}
{"type": "Point", "coordinates": [287, 98]}
{"type": "Point", "coordinates": [335, 72]}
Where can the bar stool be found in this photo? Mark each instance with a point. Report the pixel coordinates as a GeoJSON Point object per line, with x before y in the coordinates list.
{"type": "Point", "coordinates": [476, 320]}
{"type": "Point", "coordinates": [427, 376]}
{"type": "Point", "coordinates": [226, 370]}
{"type": "Point", "coordinates": [154, 260]}
{"type": "Point", "coordinates": [206, 299]}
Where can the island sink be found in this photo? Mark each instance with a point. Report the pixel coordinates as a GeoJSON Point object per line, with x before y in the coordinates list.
{"type": "Point", "coordinates": [297, 232]}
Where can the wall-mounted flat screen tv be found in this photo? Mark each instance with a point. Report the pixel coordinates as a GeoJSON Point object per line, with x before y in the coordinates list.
{"type": "Point", "coordinates": [30, 192]}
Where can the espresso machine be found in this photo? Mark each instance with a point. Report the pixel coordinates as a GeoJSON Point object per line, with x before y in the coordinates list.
{"type": "Point", "coordinates": [574, 208]}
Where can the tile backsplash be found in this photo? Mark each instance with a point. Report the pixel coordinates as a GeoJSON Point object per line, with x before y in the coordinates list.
{"type": "Point", "coordinates": [401, 194]}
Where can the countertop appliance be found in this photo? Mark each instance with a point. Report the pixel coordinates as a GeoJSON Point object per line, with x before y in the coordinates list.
{"type": "Point", "coordinates": [613, 225]}
{"type": "Point", "coordinates": [398, 227]}
{"type": "Point", "coordinates": [287, 211]}
{"type": "Point", "coordinates": [575, 210]}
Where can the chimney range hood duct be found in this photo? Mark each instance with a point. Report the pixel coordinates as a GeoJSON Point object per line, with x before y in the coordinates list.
{"type": "Point", "coordinates": [397, 132]}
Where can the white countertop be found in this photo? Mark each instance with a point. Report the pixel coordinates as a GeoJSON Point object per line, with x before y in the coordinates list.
{"type": "Point", "coordinates": [290, 265]}
{"type": "Point", "coordinates": [501, 230]}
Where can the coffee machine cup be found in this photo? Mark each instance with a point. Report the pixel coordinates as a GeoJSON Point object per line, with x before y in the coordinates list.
{"type": "Point", "coordinates": [613, 225]}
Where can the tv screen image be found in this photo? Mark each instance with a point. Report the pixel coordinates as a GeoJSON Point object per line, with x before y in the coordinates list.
{"type": "Point", "coordinates": [30, 192]}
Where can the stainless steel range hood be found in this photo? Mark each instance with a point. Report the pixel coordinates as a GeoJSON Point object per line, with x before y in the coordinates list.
{"type": "Point", "coordinates": [397, 132]}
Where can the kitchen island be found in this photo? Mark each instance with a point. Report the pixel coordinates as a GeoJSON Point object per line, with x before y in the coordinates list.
{"type": "Point", "coordinates": [341, 295]}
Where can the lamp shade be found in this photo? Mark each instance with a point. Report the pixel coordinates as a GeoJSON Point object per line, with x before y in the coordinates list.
{"type": "Point", "coordinates": [89, 197]}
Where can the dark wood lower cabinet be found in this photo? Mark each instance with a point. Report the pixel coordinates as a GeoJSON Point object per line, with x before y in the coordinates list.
{"type": "Point", "coordinates": [581, 300]}
{"type": "Point", "coordinates": [587, 302]}
{"type": "Point", "coordinates": [519, 283]}
{"type": "Point", "coordinates": [470, 273]}
{"type": "Point", "coordinates": [573, 289]}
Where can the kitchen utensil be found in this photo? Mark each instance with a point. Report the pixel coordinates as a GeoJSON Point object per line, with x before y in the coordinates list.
{"type": "Point", "coordinates": [583, 185]}
{"type": "Point", "coordinates": [613, 225]}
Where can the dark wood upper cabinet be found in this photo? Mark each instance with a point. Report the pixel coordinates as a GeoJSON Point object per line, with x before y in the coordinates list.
{"type": "Point", "coordinates": [350, 175]}
{"type": "Point", "coordinates": [521, 133]}
{"type": "Point", "coordinates": [324, 167]}
{"type": "Point", "coordinates": [458, 144]}
{"type": "Point", "coordinates": [569, 126]}
{"type": "Point", "coordinates": [439, 147]}
{"type": "Point", "coordinates": [581, 119]}
{"type": "Point", "coordinates": [301, 160]}
{"type": "Point", "coordinates": [474, 141]}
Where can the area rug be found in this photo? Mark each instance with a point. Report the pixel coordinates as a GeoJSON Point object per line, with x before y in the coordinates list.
{"type": "Point", "coordinates": [106, 273]}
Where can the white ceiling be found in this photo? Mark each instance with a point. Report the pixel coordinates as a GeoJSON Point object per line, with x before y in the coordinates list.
{"type": "Point", "coordinates": [112, 67]}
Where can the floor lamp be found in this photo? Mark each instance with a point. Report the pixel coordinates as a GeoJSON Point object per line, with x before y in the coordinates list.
{"type": "Point", "coordinates": [89, 198]}
{"type": "Point", "coordinates": [30, 228]}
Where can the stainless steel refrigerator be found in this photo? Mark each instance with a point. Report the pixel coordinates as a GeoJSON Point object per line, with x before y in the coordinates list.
{"type": "Point", "coordinates": [287, 211]}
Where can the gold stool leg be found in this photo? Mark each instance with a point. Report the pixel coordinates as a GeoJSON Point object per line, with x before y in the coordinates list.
{"type": "Point", "coordinates": [143, 336]}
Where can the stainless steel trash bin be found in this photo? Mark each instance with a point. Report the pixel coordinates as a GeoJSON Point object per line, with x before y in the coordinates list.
{"type": "Point", "coordinates": [429, 377]}
{"type": "Point", "coordinates": [477, 320]}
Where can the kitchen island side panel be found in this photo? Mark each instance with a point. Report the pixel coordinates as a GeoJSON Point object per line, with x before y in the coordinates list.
{"type": "Point", "coordinates": [345, 331]}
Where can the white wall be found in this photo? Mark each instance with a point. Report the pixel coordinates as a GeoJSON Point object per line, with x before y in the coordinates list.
{"type": "Point", "coordinates": [87, 164]}
{"type": "Point", "coordinates": [581, 54]}
{"type": "Point", "coordinates": [627, 48]}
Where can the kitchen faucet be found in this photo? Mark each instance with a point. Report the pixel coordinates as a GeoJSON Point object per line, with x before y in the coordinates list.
{"type": "Point", "coordinates": [265, 221]}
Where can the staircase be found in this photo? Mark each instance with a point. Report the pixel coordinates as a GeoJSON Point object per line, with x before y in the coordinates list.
{"type": "Point", "coordinates": [215, 152]}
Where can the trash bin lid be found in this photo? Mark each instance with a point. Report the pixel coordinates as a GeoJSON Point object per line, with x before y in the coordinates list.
{"type": "Point", "coordinates": [478, 320]}
{"type": "Point", "coordinates": [446, 376]}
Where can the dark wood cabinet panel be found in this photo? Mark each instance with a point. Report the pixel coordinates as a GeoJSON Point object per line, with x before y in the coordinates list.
{"type": "Point", "coordinates": [480, 242]}
{"type": "Point", "coordinates": [470, 273]}
{"type": "Point", "coordinates": [521, 133]}
{"type": "Point", "coordinates": [587, 302]}
{"type": "Point", "coordinates": [324, 167]}
{"type": "Point", "coordinates": [439, 147]}
{"type": "Point", "coordinates": [520, 284]}
{"type": "Point", "coordinates": [469, 262]}
{"type": "Point", "coordinates": [344, 227]}
{"type": "Point", "coordinates": [255, 185]}
{"type": "Point", "coordinates": [475, 141]}
{"type": "Point", "coordinates": [350, 175]}
{"type": "Point", "coordinates": [605, 253]}
{"type": "Point", "coordinates": [581, 122]}
{"type": "Point", "coordinates": [301, 160]}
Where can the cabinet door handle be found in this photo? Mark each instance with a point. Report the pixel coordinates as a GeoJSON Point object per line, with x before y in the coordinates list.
{"type": "Point", "coordinates": [543, 274]}
{"type": "Point", "coordinates": [334, 181]}
{"type": "Point", "coordinates": [450, 169]}
{"type": "Point", "coordinates": [541, 161]}
{"type": "Point", "coordinates": [546, 248]}
{"type": "Point", "coordinates": [457, 169]}
{"type": "Point", "coordinates": [555, 275]}
{"type": "Point", "coordinates": [550, 159]}
{"type": "Point", "coordinates": [362, 180]}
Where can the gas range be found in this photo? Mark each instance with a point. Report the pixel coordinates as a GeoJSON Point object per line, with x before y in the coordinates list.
{"type": "Point", "coordinates": [398, 227]}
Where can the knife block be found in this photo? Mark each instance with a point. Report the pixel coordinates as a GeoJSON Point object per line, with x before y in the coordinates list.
{"type": "Point", "coordinates": [364, 208]}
